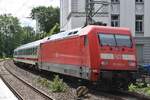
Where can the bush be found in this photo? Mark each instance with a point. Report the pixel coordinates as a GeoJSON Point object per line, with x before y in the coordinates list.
{"type": "Point", "coordinates": [57, 85]}
{"type": "Point", "coordinates": [148, 92]}
{"type": "Point", "coordinates": [140, 88]}
{"type": "Point", "coordinates": [43, 81]}
{"type": "Point", "coordinates": [132, 88]}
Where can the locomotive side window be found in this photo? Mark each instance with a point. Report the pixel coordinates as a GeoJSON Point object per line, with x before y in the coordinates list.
{"type": "Point", "coordinates": [85, 40]}
{"type": "Point", "coordinates": [107, 39]}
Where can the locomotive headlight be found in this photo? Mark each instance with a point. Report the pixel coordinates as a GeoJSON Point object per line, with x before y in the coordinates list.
{"type": "Point", "coordinates": [131, 63]}
{"type": "Point", "coordinates": [107, 56]}
{"type": "Point", "coordinates": [128, 57]}
{"type": "Point", "coordinates": [104, 63]}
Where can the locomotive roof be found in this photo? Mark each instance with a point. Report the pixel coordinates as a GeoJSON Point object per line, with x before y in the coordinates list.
{"type": "Point", "coordinates": [77, 31]}
{"type": "Point", "coordinates": [64, 34]}
{"type": "Point", "coordinates": [88, 28]}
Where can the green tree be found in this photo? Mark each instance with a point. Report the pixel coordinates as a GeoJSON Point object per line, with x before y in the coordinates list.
{"type": "Point", "coordinates": [28, 35]}
{"type": "Point", "coordinates": [46, 16]}
{"type": "Point", "coordinates": [10, 34]}
{"type": "Point", "coordinates": [55, 29]}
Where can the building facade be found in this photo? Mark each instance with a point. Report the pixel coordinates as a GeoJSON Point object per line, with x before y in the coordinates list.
{"type": "Point", "coordinates": [133, 14]}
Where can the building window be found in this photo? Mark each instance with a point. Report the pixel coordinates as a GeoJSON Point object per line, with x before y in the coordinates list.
{"type": "Point", "coordinates": [115, 1]}
{"type": "Point", "coordinates": [139, 1]}
{"type": "Point", "coordinates": [115, 21]}
{"type": "Point", "coordinates": [139, 23]}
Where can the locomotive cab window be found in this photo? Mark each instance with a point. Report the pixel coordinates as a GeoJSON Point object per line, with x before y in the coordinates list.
{"type": "Point", "coordinates": [107, 39]}
{"type": "Point", "coordinates": [115, 40]}
{"type": "Point", "coordinates": [123, 40]}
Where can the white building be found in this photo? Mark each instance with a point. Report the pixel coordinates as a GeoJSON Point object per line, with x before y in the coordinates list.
{"type": "Point", "coordinates": [134, 14]}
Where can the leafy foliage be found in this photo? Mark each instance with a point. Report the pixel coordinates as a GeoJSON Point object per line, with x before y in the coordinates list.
{"type": "Point", "coordinates": [55, 29]}
{"type": "Point", "coordinates": [43, 81]}
{"type": "Point", "coordinates": [10, 34]}
{"type": "Point", "coordinates": [58, 85]}
{"type": "Point", "coordinates": [46, 16]}
{"type": "Point", "coordinates": [28, 35]}
{"type": "Point", "coordinates": [132, 88]}
{"type": "Point", "coordinates": [13, 35]}
{"type": "Point", "coordinates": [140, 88]}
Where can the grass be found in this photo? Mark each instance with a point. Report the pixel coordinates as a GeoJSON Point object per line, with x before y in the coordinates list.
{"type": "Point", "coordinates": [4, 58]}
{"type": "Point", "coordinates": [140, 88]}
{"type": "Point", "coordinates": [57, 85]}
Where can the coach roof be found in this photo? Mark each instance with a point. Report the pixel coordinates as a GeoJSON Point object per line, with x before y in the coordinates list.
{"type": "Point", "coordinates": [32, 44]}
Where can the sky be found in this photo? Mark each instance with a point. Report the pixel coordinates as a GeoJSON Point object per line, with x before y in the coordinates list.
{"type": "Point", "coordinates": [22, 9]}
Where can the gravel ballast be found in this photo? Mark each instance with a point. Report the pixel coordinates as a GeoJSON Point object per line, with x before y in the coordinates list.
{"type": "Point", "coordinates": [32, 78]}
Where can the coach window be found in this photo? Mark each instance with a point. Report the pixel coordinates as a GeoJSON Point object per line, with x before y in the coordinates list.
{"type": "Point", "coordinates": [27, 51]}
{"type": "Point", "coordinates": [20, 52]}
{"type": "Point", "coordinates": [32, 51]}
{"type": "Point", "coordinates": [35, 50]}
{"type": "Point", "coordinates": [23, 52]}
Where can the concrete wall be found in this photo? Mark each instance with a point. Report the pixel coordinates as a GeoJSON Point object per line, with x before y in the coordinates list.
{"type": "Point", "coordinates": [127, 14]}
{"type": "Point", "coordinates": [147, 18]}
{"type": "Point", "coordinates": [145, 45]}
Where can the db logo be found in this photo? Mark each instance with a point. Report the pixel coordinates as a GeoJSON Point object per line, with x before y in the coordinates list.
{"type": "Point", "coordinates": [117, 56]}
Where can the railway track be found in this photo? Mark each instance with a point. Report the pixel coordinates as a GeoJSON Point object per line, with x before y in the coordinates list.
{"type": "Point", "coordinates": [12, 89]}
{"type": "Point", "coordinates": [137, 96]}
{"type": "Point", "coordinates": [115, 95]}
{"type": "Point", "coordinates": [36, 92]}
{"type": "Point", "coordinates": [121, 95]}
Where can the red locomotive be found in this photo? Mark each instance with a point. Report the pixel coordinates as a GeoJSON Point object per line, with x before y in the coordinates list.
{"type": "Point", "coordinates": [94, 53]}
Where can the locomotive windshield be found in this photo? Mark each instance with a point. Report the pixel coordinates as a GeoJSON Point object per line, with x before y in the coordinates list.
{"type": "Point", "coordinates": [123, 40]}
{"type": "Point", "coordinates": [115, 40]}
{"type": "Point", "coordinates": [107, 39]}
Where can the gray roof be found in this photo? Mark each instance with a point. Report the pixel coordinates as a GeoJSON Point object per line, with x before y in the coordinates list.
{"type": "Point", "coordinates": [32, 44]}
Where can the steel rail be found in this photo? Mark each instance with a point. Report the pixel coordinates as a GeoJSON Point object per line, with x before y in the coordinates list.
{"type": "Point", "coordinates": [137, 95]}
{"type": "Point", "coordinates": [10, 87]}
{"type": "Point", "coordinates": [43, 94]}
